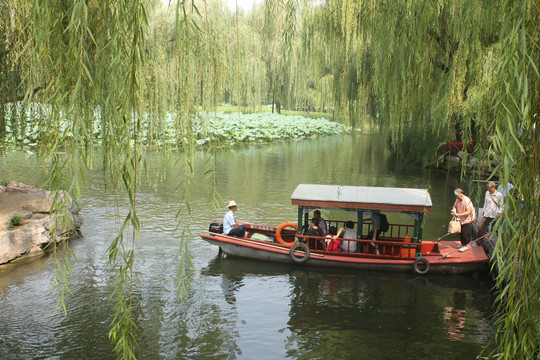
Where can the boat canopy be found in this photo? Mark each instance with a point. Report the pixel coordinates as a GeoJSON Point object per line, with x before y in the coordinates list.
{"type": "Point", "coordinates": [362, 197]}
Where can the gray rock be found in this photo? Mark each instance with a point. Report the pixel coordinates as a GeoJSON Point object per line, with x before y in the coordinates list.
{"type": "Point", "coordinates": [472, 163]}
{"type": "Point", "coordinates": [38, 204]}
{"type": "Point", "coordinates": [454, 159]}
{"type": "Point", "coordinates": [40, 227]}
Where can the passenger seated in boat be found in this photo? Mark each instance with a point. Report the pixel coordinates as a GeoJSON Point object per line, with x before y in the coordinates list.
{"type": "Point", "coordinates": [332, 243]}
{"type": "Point", "coordinates": [348, 233]}
{"type": "Point", "coordinates": [314, 230]}
{"type": "Point", "coordinates": [231, 227]}
{"type": "Point", "coordinates": [321, 223]}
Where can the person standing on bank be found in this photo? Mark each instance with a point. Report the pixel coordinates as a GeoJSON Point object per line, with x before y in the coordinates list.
{"type": "Point", "coordinates": [230, 225]}
{"type": "Point", "coordinates": [464, 210]}
{"type": "Point", "coordinates": [493, 207]}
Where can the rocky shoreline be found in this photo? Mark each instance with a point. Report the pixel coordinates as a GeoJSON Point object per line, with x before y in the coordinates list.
{"type": "Point", "coordinates": [481, 164]}
{"type": "Point", "coordinates": [47, 217]}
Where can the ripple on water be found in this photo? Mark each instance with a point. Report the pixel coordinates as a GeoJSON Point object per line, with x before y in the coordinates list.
{"type": "Point", "coordinates": [238, 308]}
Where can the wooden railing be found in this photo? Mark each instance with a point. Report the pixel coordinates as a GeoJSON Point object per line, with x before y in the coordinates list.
{"type": "Point", "coordinates": [404, 248]}
{"type": "Point", "coordinates": [397, 242]}
{"type": "Point", "coordinates": [396, 231]}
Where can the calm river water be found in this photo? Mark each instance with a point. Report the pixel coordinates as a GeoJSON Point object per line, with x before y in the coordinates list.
{"type": "Point", "coordinates": [241, 309]}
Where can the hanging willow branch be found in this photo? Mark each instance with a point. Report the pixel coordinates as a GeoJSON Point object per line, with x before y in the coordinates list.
{"type": "Point", "coordinates": [432, 67]}
{"type": "Point", "coordinates": [517, 143]}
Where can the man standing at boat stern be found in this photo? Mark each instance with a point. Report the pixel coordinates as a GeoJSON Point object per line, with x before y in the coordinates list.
{"type": "Point", "coordinates": [493, 207]}
{"type": "Point", "coordinates": [464, 210]}
{"type": "Point", "coordinates": [230, 225]}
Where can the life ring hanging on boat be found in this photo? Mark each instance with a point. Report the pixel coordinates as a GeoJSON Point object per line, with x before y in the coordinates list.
{"type": "Point", "coordinates": [299, 260]}
{"type": "Point", "coordinates": [279, 239]}
{"type": "Point", "coordinates": [421, 265]}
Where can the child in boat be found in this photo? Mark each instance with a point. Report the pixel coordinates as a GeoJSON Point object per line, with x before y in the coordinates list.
{"type": "Point", "coordinates": [332, 244]}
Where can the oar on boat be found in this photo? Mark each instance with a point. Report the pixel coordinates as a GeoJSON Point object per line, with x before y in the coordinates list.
{"type": "Point", "coordinates": [462, 248]}
{"type": "Point", "coordinates": [438, 239]}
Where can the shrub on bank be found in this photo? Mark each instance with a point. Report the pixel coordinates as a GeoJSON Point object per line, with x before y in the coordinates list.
{"type": "Point", "coordinates": [15, 221]}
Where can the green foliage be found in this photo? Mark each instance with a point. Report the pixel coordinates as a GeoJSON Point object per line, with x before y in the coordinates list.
{"type": "Point", "coordinates": [15, 221]}
{"type": "Point", "coordinates": [221, 128]}
{"type": "Point", "coordinates": [226, 129]}
{"type": "Point", "coordinates": [123, 76]}
{"type": "Point", "coordinates": [517, 144]}
{"type": "Point", "coordinates": [418, 147]}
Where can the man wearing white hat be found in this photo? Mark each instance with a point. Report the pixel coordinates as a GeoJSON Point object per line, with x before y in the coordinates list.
{"type": "Point", "coordinates": [230, 225]}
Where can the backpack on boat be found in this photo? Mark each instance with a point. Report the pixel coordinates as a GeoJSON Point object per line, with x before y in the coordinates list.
{"type": "Point", "coordinates": [385, 226]}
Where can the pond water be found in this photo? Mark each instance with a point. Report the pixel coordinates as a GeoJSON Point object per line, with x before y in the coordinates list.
{"type": "Point", "coordinates": [236, 308]}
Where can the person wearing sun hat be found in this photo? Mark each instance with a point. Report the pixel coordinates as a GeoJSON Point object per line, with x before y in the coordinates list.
{"type": "Point", "coordinates": [230, 225]}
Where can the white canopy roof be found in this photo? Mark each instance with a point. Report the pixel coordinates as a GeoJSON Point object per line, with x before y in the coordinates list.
{"type": "Point", "coordinates": [362, 197]}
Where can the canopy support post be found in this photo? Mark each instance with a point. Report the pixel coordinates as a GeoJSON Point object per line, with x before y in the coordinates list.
{"type": "Point", "coordinates": [300, 213]}
{"type": "Point", "coordinates": [418, 232]}
{"type": "Point", "coordinates": [360, 216]}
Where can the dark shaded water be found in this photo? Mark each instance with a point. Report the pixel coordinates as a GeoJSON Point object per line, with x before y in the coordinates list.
{"type": "Point", "coordinates": [239, 308]}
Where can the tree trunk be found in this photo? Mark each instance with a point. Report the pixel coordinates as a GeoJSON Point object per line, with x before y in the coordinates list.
{"type": "Point", "coordinates": [457, 129]}
{"type": "Point", "coordinates": [202, 85]}
{"type": "Point", "coordinates": [2, 121]}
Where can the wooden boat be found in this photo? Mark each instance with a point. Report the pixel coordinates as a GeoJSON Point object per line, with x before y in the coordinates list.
{"type": "Point", "coordinates": [401, 248]}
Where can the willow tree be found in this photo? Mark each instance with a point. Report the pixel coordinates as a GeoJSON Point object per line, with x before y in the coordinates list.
{"type": "Point", "coordinates": [431, 69]}
{"type": "Point", "coordinates": [84, 63]}
{"type": "Point", "coordinates": [517, 145]}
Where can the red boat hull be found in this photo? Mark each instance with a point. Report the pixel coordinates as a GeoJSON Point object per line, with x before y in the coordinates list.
{"type": "Point", "coordinates": [443, 256]}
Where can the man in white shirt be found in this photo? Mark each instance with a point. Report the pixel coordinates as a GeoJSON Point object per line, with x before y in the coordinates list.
{"type": "Point", "coordinates": [493, 207]}
{"type": "Point", "coordinates": [230, 225]}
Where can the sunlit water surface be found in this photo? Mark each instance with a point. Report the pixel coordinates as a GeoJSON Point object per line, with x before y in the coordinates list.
{"type": "Point", "coordinates": [236, 308]}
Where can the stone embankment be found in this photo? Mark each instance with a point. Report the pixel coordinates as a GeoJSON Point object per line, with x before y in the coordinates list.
{"type": "Point", "coordinates": [482, 164]}
{"type": "Point", "coordinates": [47, 217]}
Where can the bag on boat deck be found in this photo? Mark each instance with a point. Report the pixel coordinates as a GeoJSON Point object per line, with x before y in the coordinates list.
{"type": "Point", "coordinates": [385, 226]}
{"type": "Point", "coordinates": [332, 244]}
{"type": "Point", "coordinates": [454, 227]}
{"type": "Point", "coordinates": [216, 227]}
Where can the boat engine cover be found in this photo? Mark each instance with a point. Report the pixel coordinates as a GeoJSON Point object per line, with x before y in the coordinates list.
{"type": "Point", "coordinates": [216, 227]}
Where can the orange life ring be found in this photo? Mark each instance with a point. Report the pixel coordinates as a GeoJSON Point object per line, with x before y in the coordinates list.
{"type": "Point", "coordinates": [279, 239]}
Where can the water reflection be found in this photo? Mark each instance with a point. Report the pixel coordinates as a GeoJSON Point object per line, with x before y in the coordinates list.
{"type": "Point", "coordinates": [333, 313]}
{"type": "Point", "coordinates": [454, 320]}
